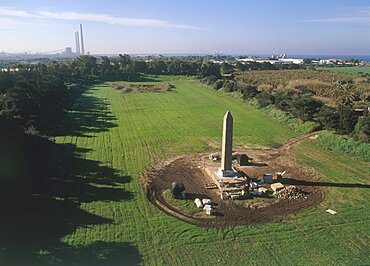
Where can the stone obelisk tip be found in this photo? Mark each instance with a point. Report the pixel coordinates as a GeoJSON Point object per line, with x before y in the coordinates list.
{"type": "Point", "coordinates": [227, 142]}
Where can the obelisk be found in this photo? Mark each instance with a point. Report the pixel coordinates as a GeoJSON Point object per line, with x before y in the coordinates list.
{"type": "Point", "coordinates": [227, 144]}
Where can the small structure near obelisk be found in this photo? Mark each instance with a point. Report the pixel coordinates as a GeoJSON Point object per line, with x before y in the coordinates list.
{"type": "Point", "coordinates": [226, 169]}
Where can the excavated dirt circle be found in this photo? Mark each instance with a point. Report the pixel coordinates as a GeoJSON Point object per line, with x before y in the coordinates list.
{"type": "Point", "coordinates": [190, 171]}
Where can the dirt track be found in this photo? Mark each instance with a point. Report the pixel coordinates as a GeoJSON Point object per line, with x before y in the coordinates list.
{"type": "Point", "coordinates": [190, 171]}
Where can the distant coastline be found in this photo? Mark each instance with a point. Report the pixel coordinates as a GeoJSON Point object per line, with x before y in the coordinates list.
{"type": "Point", "coordinates": [300, 56]}
{"type": "Point", "coordinates": [20, 56]}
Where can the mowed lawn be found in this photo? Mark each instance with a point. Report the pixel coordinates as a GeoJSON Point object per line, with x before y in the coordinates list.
{"type": "Point", "coordinates": [128, 132]}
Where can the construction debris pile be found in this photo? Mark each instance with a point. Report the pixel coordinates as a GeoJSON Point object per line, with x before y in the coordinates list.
{"type": "Point", "coordinates": [205, 204]}
{"type": "Point", "coordinates": [291, 192]}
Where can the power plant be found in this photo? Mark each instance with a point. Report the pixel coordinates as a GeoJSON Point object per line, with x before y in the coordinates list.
{"type": "Point", "coordinates": [82, 40]}
{"type": "Point", "coordinates": [77, 43]}
{"type": "Point", "coordinates": [66, 52]}
{"type": "Point", "coordinates": [80, 48]}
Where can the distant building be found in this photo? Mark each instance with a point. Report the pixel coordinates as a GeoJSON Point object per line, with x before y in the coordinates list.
{"type": "Point", "coordinates": [281, 59]}
{"type": "Point", "coordinates": [68, 52]}
{"type": "Point", "coordinates": [296, 61]}
{"type": "Point", "coordinates": [217, 61]}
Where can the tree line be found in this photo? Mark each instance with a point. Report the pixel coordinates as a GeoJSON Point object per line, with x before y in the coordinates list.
{"type": "Point", "coordinates": [301, 103]}
{"type": "Point", "coordinates": [34, 98]}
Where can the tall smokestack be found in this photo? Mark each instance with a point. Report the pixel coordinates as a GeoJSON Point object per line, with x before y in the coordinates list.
{"type": "Point", "coordinates": [82, 40]}
{"type": "Point", "coordinates": [77, 43]}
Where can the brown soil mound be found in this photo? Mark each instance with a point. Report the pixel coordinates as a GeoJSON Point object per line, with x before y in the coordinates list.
{"type": "Point", "coordinates": [144, 87]}
{"type": "Point", "coordinates": [291, 192]}
{"type": "Point", "coordinates": [190, 171]}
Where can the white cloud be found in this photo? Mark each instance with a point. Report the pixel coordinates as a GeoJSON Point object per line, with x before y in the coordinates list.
{"type": "Point", "coordinates": [109, 19]}
{"type": "Point", "coordinates": [12, 12]}
{"type": "Point", "coordinates": [341, 20]}
{"type": "Point", "coordinates": [359, 16]}
{"type": "Point", "coordinates": [365, 10]}
{"type": "Point", "coordinates": [10, 23]}
{"type": "Point", "coordinates": [93, 17]}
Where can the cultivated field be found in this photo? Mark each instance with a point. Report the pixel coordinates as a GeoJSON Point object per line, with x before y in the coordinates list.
{"type": "Point", "coordinates": [350, 70]}
{"type": "Point", "coordinates": [321, 83]}
{"type": "Point", "coordinates": [126, 133]}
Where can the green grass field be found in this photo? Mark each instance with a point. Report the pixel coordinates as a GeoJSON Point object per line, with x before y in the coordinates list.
{"type": "Point", "coordinates": [128, 132]}
{"type": "Point", "coordinates": [350, 70]}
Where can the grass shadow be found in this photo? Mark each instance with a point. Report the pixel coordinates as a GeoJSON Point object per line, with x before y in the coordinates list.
{"type": "Point", "coordinates": [87, 116]}
{"type": "Point", "coordinates": [256, 164]}
{"type": "Point", "coordinates": [97, 253]}
{"type": "Point", "coordinates": [42, 186]}
{"type": "Point", "coordinates": [43, 205]}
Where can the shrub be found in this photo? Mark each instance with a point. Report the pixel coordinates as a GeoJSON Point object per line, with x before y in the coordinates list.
{"type": "Point", "coordinates": [305, 107]}
{"type": "Point", "coordinates": [264, 99]}
{"type": "Point", "coordinates": [347, 119]}
{"type": "Point", "coordinates": [228, 86]}
{"type": "Point", "coordinates": [282, 101]}
{"type": "Point", "coordinates": [265, 88]}
{"type": "Point", "coordinates": [328, 117]}
{"type": "Point", "coordinates": [286, 118]}
{"type": "Point", "coordinates": [218, 84]}
{"type": "Point", "coordinates": [362, 129]}
{"type": "Point", "coordinates": [249, 91]}
{"type": "Point", "coordinates": [209, 80]}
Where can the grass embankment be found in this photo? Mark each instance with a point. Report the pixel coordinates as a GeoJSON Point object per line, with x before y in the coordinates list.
{"type": "Point", "coordinates": [284, 118]}
{"type": "Point", "coordinates": [134, 130]}
{"type": "Point", "coordinates": [344, 144]}
{"type": "Point", "coordinates": [287, 119]}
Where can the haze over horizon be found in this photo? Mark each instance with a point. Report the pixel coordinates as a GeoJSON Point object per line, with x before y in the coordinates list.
{"type": "Point", "coordinates": [232, 27]}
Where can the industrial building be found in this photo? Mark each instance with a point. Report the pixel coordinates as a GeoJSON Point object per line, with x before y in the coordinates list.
{"type": "Point", "coordinates": [80, 47]}
{"type": "Point", "coordinates": [281, 59]}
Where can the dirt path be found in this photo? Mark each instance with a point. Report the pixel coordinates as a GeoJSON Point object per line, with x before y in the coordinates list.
{"type": "Point", "coordinates": [190, 171]}
{"type": "Point", "coordinates": [297, 140]}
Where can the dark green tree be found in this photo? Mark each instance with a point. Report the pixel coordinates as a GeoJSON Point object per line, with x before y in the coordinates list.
{"type": "Point", "coordinates": [209, 69]}
{"type": "Point", "coordinates": [328, 117]}
{"type": "Point", "coordinates": [283, 100]}
{"type": "Point", "coordinates": [226, 68]}
{"type": "Point", "coordinates": [347, 119]}
{"type": "Point", "coordinates": [305, 107]}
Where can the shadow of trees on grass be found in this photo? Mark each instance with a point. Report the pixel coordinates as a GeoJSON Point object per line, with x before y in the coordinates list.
{"type": "Point", "coordinates": [88, 114]}
{"type": "Point", "coordinates": [42, 185]}
{"type": "Point", "coordinates": [98, 253]}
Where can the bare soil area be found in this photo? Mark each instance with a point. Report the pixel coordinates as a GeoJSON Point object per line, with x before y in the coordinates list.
{"type": "Point", "coordinates": [190, 170]}
{"type": "Point", "coordinates": [126, 88]}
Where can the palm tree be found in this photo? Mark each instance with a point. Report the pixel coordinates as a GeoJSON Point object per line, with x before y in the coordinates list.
{"type": "Point", "coordinates": [343, 93]}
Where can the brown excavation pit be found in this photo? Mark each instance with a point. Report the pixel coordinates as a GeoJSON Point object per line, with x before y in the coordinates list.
{"type": "Point", "coordinates": [190, 170]}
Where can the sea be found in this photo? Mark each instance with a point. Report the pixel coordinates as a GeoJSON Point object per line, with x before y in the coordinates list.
{"type": "Point", "coordinates": [365, 58]}
{"type": "Point", "coordinates": [360, 57]}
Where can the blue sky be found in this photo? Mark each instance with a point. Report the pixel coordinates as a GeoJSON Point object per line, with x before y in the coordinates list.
{"type": "Point", "coordinates": [333, 27]}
